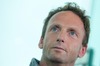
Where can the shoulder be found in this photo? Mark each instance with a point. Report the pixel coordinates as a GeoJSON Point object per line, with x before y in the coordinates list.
{"type": "Point", "coordinates": [34, 62]}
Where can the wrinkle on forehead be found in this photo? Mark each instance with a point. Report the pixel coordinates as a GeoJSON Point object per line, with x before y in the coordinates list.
{"type": "Point", "coordinates": [67, 19]}
{"type": "Point", "coordinates": [66, 16]}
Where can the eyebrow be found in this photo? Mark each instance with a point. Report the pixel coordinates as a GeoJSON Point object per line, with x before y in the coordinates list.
{"type": "Point", "coordinates": [74, 29]}
{"type": "Point", "coordinates": [56, 25]}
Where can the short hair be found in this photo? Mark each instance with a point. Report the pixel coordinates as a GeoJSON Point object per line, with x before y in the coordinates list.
{"type": "Point", "coordinates": [71, 6]}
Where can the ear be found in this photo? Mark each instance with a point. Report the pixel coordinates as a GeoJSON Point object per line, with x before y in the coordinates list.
{"type": "Point", "coordinates": [41, 43]}
{"type": "Point", "coordinates": [82, 51]}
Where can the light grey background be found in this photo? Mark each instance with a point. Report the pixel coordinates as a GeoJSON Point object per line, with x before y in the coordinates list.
{"type": "Point", "coordinates": [21, 24]}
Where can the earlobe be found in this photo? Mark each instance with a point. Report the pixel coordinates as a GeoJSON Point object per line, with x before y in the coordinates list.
{"type": "Point", "coordinates": [40, 43]}
{"type": "Point", "coordinates": [82, 51]}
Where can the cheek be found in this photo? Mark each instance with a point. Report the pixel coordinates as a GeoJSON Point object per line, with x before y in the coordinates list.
{"type": "Point", "coordinates": [76, 44]}
{"type": "Point", "coordinates": [49, 39]}
{"type": "Point", "coordinates": [47, 42]}
{"type": "Point", "coordinates": [75, 49]}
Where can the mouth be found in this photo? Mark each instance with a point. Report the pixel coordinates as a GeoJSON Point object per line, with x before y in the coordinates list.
{"type": "Point", "coordinates": [59, 48]}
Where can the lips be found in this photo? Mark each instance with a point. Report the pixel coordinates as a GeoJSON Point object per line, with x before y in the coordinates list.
{"type": "Point", "coordinates": [59, 48]}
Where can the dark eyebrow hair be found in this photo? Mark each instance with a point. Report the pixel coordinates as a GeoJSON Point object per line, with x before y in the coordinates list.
{"type": "Point", "coordinates": [73, 29]}
{"type": "Point", "coordinates": [56, 25]}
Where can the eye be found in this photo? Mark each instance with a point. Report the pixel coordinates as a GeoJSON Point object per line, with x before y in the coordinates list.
{"type": "Point", "coordinates": [54, 29]}
{"type": "Point", "coordinates": [72, 33]}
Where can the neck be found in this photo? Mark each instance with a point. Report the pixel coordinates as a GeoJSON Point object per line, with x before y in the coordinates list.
{"type": "Point", "coordinates": [44, 62]}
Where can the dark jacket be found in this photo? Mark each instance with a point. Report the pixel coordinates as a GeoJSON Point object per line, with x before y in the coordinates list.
{"type": "Point", "coordinates": [34, 62]}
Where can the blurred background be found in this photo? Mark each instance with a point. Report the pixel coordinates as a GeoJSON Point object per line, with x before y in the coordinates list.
{"type": "Point", "coordinates": [21, 24]}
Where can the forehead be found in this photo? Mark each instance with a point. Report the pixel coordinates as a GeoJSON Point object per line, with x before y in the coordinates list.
{"type": "Point", "coordinates": [66, 18]}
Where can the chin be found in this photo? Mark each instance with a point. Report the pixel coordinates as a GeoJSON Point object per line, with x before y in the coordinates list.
{"type": "Point", "coordinates": [57, 59]}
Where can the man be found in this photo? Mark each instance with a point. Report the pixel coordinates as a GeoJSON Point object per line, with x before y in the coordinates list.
{"type": "Point", "coordinates": [64, 37]}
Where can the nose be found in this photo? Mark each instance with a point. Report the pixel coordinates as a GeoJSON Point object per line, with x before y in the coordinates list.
{"type": "Point", "coordinates": [60, 40]}
{"type": "Point", "coordinates": [61, 37]}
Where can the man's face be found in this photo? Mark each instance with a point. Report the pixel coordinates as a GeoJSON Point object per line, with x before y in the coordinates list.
{"type": "Point", "coordinates": [63, 38]}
